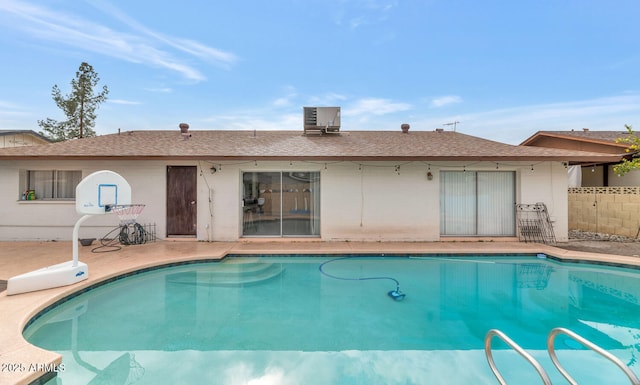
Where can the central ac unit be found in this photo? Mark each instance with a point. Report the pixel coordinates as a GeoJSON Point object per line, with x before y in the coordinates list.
{"type": "Point", "coordinates": [322, 119]}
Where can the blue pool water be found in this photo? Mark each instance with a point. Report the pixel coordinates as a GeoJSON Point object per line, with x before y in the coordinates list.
{"type": "Point", "coordinates": [282, 320]}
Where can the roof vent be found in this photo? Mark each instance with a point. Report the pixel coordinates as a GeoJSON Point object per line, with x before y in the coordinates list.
{"type": "Point", "coordinates": [439, 129]}
{"type": "Point", "coordinates": [405, 128]}
{"type": "Point", "coordinates": [184, 130]}
{"type": "Point", "coordinates": [321, 119]}
{"type": "Point", "coordinates": [585, 129]}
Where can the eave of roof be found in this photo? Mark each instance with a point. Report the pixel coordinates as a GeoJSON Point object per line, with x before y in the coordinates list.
{"type": "Point", "coordinates": [607, 138]}
{"type": "Point", "coordinates": [25, 132]}
{"type": "Point", "coordinates": [224, 145]}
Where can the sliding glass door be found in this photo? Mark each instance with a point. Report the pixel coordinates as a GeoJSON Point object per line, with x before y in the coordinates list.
{"type": "Point", "coordinates": [478, 203]}
{"type": "Point", "coordinates": [285, 204]}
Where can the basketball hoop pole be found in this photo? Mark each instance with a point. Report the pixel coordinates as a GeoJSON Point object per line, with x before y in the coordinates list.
{"type": "Point", "coordinates": [76, 231]}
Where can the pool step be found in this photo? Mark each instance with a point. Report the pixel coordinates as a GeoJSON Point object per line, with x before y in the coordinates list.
{"type": "Point", "coordinates": [237, 274]}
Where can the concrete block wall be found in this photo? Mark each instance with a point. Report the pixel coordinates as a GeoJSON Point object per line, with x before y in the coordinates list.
{"type": "Point", "coordinates": [609, 210]}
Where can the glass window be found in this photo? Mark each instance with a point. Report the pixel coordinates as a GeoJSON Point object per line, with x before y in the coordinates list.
{"type": "Point", "coordinates": [477, 203]}
{"type": "Point", "coordinates": [51, 184]}
{"type": "Point", "coordinates": [285, 204]}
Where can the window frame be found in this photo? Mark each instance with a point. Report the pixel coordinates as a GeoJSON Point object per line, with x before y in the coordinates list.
{"type": "Point", "coordinates": [56, 191]}
{"type": "Point", "coordinates": [465, 200]}
{"type": "Point", "coordinates": [275, 203]}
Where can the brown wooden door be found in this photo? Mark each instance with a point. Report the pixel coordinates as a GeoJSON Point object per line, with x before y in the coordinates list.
{"type": "Point", "coordinates": [181, 201]}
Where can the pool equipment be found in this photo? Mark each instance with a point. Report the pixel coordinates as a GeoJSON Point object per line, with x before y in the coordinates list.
{"type": "Point", "coordinates": [396, 295]}
{"type": "Point", "coordinates": [94, 195]}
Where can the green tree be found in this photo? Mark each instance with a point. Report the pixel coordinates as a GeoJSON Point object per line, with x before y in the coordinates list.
{"type": "Point", "coordinates": [79, 106]}
{"type": "Point", "coordinates": [632, 162]}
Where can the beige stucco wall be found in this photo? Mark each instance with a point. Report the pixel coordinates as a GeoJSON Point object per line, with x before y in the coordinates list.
{"type": "Point", "coordinates": [632, 178]}
{"type": "Point", "coordinates": [359, 201]}
{"type": "Point", "coordinates": [20, 139]}
{"type": "Point", "coordinates": [547, 184]}
{"type": "Point", "coordinates": [609, 210]}
{"type": "Point", "coordinates": [54, 220]}
{"type": "Point", "coordinates": [374, 202]}
{"type": "Point", "coordinates": [594, 176]}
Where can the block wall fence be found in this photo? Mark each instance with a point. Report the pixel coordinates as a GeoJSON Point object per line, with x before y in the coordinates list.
{"type": "Point", "coordinates": [608, 210]}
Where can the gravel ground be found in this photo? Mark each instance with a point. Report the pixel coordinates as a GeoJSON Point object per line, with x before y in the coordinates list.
{"type": "Point", "coordinates": [601, 243]}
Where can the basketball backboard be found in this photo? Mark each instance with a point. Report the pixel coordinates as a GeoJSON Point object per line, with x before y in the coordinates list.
{"type": "Point", "coordinates": [101, 189]}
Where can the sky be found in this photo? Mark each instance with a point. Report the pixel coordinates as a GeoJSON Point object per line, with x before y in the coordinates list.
{"type": "Point", "coordinates": [498, 69]}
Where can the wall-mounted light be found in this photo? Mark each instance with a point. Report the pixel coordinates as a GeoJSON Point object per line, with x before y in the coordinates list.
{"type": "Point", "coordinates": [429, 175]}
{"type": "Point", "coordinates": [593, 168]}
{"type": "Point", "coordinates": [213, 169]}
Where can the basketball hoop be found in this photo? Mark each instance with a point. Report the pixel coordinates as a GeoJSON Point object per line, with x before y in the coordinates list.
{"type": "Point", "coordinates": [127, 213]}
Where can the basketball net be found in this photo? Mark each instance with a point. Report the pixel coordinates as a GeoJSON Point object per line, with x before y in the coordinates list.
{"type": "Point", "coordinates": [128, 214]}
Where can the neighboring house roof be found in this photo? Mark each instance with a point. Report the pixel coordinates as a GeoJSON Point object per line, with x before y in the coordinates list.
{"type": "Point", "coordinates": [584, 140]}
{"type": "Point", "coordinates": [27, 138]}
{"type": "Point", "coordinates": [287, 145]}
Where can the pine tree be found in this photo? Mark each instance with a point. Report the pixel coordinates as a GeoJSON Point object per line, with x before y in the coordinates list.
{"type": "Point", "coordinates": [79, 106]}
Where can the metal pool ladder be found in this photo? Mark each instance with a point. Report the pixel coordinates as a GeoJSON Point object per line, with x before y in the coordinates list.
{"type": "Point", "coordinates": [552, 354]}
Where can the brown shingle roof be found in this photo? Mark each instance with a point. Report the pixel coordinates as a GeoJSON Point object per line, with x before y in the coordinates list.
{"type": "Point", "coordinates": [603, 137]}
{"type": "Point", "coordinates": [275, 145]}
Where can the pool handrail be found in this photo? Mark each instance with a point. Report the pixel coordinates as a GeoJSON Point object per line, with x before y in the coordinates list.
{"type": "Point", "coordinates": [487, 348]}
{"type": "Point", "coordinates": [552, 353]}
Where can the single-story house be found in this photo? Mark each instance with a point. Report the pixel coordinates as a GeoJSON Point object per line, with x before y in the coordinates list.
{"type": "Point", "coordinates": [596, 174]}
{"type": "Point", "coordinates": [347, 185]}
{"type": "Point", "coordinates": [18, 138]}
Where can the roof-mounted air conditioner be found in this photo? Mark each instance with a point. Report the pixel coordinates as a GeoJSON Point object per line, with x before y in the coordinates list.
{"type": "Point", "coordinates": [322, 119]}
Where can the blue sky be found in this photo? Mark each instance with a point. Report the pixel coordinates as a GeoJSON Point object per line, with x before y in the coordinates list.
{"type": "Point", "coordinates": [502, 69]}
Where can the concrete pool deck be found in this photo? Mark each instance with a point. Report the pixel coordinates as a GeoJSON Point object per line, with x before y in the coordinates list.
{"type": "Point", "coordinates": [23, 363]}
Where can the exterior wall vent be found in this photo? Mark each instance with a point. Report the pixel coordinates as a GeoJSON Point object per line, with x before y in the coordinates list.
{"type": "Point", "coordinates": [321, 120]}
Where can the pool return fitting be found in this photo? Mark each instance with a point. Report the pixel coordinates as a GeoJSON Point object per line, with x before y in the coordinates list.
{"type": "Point", "coordinates": [396, 295]}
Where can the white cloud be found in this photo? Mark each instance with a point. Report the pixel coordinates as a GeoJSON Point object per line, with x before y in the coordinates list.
{"type": "Point", "coordinates": [357, 22]}
{"type": "Point", "coordinates": [328, 99]}
{"type": "Point", "coordinates": [164, 90]}
{"type": "Point", "coordinates": [185, 45]}
{"type": "Point", "coordinates": [259, 120]}
{"type": "Point", "coordinates": [375, 106]}
{"type": "Point", "coordinates": [7, 105]}
{"type": "Point", "coordinates": [148, 47]}
{"type": "Point", "coordinates": [367, 113]}
{"type": "Point", "coordinates": [514, 125]}
{"type": "Point", "coordinates": [445, 100]}
{"type": "Point", "coordinates": [509, 125]}
{"type": "Point", "coordinates": [286, 100]}
{"type": "Point", "coordinates": [363, 12]}
{"type": "Point", "coordinates": [281, 102]}
{"type": "Point", "coordinates": [123, 102]}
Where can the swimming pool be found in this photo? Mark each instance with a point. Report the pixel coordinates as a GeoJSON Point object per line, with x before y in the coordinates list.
{"type": "Point", "coordinates": [283, 320]}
